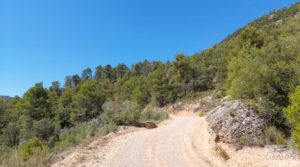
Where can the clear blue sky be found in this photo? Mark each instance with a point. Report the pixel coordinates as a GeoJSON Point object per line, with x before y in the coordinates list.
{"type": "Point", "coordinates": [46, 40]}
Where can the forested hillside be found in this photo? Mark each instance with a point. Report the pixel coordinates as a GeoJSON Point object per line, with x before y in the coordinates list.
{"type": "Point", "coordinates": [259, 63]}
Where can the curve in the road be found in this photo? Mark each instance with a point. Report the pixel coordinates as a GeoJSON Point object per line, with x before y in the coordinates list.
{"type": "Point", "coordinates": [173, 145]}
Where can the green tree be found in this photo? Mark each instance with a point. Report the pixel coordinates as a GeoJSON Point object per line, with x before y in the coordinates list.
{"type": "Point", "coordinates": [67, 97]}
{"type": "Point", "coordinates": [108, 72]}
{"type": "Point", "coordinates": [87, 101]}
{"type": "Point", "coordinates": [98, 73]}
{"type": "Point", "coordinates": [55, 87]}
{"type": "Point", "coordinates": [68, 82]}
{"type": "Point", "coordinates": [3, 109]}
{"type": "Point", "coordinates": [86, 74]}
{"type": "Point", "coordinates": [161, 91]}
{"type": "Point", "coordinates": [121, 70]}
{"type": "Point", "coordinates": [76, 79]}
{"type": "Point", "coordinates": [36, 103]}
{"type": "Point", "coordinates": [253, 37]}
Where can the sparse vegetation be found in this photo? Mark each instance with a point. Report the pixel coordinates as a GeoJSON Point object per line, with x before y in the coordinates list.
{"type": "Point", "coordinates": [274, 136]}
{"type": "Point", "coordinates": [152, 113]}
{"type": "Point", "coordinates": [221, 152]}
{"type": "Point", "coordinates": [201, 114]}
{"type": "Point", "coordinates": [230, 112]}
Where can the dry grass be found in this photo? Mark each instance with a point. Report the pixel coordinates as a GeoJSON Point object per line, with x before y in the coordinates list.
{"type": "Point", "coordinates": [221, 152]}
{"type": "Point", "coordinates": [202, 114]}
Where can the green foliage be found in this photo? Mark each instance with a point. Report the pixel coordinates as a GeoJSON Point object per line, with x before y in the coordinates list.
{"type": "Point", "coordinates": [273, 136]}
{"type": "Point", "coordinates": [36, 103]}
{"type": "Point", "coordinates": [292, 113]}
{"type": "Point", "coordinates": [81, 132]}
{"type": "Point", "coordinates": [13, 158]}
{"type": "Point", "coordinates": [201, 114]}
{"type": "Point", "coordinates": [87, 101]}
{"type": "Point", "coordinates": [43, 129]}
{"type": "Point", "coordinates": [152, 113]}
{"type": "Point", "coordinates": [3, 113]}
{"type": "Point", "coordinates": [110, 127]}
{"type": "Point", "coordinates": [161, 91]}
{"type": "Point", "coordinates": [252, 37]}
{"type": "Point", "coordinates": [125, 113]}
{"type": "Point", "coordinates": [265, 67]}
{"type": "Point", "coordinates": [86, 74]}
{"type": "Point", "coordinates": [11, 134]}
{"type": "Point", "coordinates": [31, 147]}
{"type": "Point", "coordinates": [67, 97]}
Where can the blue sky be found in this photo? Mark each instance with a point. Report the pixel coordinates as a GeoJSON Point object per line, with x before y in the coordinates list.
{"type": "Point", "coordinates": [43, 41]}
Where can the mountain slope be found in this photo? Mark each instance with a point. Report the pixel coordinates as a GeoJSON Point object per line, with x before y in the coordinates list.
{"type": "Point", "coordinates": [259, 62]}
{"type": "Point", "coordinates": [5, 97]}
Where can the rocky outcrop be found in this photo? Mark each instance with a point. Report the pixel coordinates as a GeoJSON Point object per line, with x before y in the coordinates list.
{"type": "Point", "coordinates": [233, 122]}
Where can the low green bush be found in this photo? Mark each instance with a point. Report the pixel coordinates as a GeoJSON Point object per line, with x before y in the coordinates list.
{"type": "Point", "coordinates": [125, 113]}
{"type": "Point", "coordinates": [111, 127]}
{"type": "Point", "coordinates": [152, 113]}
{"type": "Point", "coordinates": [31, 147]}
{"type": "Point", "coordinates": [74, 136]}
{"type": "Point", "coordinates": [43, 129]}
{"type": "Point", "coordinates": [274, 136]}
{"type": "Point", "coordinates": [11, 135]}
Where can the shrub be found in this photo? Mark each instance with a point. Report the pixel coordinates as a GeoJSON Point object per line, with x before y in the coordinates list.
{"type": "Point", "coordinates": [31, 147]}
{"type": "Point", "coordinates": [292, 113]}
{"type": "Point", "coordinates": [201, 114]}
{"type": "Point", "coordinates": [152, 113]}
{"type": "Point", "coordinates": [247, 140]}
{"type": "Point", "coordinates": [274, 136]}
{"type": "Point", "coordinates": [80, 132]}
{"type": "Point", "coordinates": [13, 158]}
{"type": "Point", "coordinates": [221, 152]}
{"type": "Point", "coordinates": [111, 127]}
{"type": "Point", "coordinates": [11, 135]}
{"type": "Point", "coordinates": [43, 129]}
{"type": "Point", "coordinates": [126, 113]}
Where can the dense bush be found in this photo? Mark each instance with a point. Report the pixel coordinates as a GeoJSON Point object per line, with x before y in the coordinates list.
{"type": "Point", "coordinates": [43, 129]}
{"type": "Point", "coordinates": [31, 147]}
{"type": "Point", "coordinates": [293, 114]}
{"type": "Point", "coordinates": [11, 135]}
{"type": "Point", "coordinates": [125, 113]}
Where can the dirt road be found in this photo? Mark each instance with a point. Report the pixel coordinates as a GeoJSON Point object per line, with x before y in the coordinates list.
{"type": "Point", "coordinates": [181, 141]}
{"type": "Point", "coordinates": [178, 142]}
{"type": "Point", "coordinates": [171, 145]}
